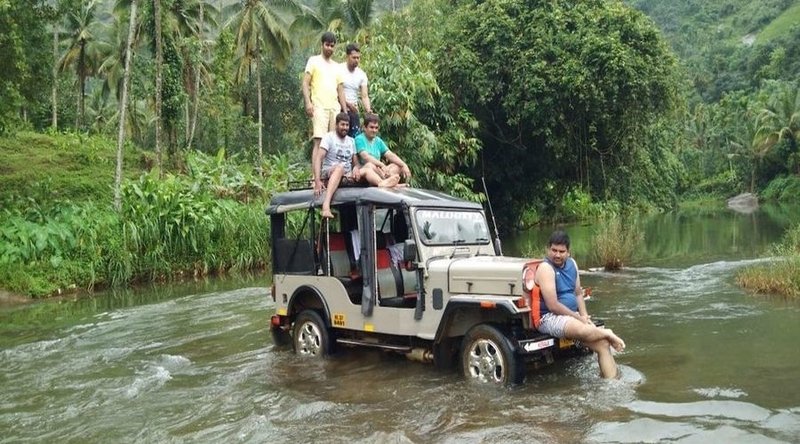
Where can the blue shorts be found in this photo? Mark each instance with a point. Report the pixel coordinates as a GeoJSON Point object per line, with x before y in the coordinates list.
{"type": "Point", "coordinates": [553, 324]}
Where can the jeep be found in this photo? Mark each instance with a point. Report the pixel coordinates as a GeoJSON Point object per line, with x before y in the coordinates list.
{"type": "Point", "coordinates": [407, 270]}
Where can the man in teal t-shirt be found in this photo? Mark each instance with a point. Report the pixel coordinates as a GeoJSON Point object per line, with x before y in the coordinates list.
{"type": "Point", "coordinates": [371, 150]}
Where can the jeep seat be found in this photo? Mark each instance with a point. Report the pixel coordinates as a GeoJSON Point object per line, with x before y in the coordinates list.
{"type": "Point", "coordinates": [392, 287]}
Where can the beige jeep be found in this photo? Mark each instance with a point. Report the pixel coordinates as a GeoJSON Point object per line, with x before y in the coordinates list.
{"type": "Point", "coordinates": [407, 270]}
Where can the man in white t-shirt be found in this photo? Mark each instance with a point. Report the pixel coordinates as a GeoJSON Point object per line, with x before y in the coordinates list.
{"type": "Point", "coordinates": [352, 86]}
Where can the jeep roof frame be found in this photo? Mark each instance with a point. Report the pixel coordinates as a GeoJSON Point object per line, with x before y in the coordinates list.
{"type": "Point", "coordinates": [405, 196]}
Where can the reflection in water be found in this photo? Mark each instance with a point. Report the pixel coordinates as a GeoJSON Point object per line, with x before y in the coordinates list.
{"type": "Point", "coordinates": [194, 363]}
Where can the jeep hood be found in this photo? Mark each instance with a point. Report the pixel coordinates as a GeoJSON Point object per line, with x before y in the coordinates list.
{"type": "Point", "coordinates": [491, 275]}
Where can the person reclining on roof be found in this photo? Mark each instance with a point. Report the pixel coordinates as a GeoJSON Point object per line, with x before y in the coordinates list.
{"type": "Point", "coordinates": [336, 160]}
{"type": "Point", "coordinates": [371, 149]}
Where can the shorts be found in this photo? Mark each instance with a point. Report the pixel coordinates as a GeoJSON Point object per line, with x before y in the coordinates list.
{"type": "Point", "coordinates": [323, 122]}
{"type": "Point", "coordinates": [553, 324]}
{"type": "Point", "coordinates": [347, 178]}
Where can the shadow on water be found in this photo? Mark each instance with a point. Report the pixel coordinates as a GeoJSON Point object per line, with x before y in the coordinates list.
{"type": "Point", "coordinates": [194, 362]}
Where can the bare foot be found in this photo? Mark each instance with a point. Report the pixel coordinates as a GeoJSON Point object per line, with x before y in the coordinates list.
{"type": "Point", "coordinates": [615, 340]}
{"type": "Point", "coordinates": [389, 182]}
{"type": "Point", "coordinates": [327, 214]}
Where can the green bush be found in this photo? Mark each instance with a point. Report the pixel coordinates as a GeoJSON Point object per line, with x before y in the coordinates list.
{"type": "Point", "coordinates": [616, 240]}
{"type": "Point", "coordinates": [783, 189]}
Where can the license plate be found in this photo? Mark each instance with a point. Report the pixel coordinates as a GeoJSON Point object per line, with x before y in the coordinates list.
{"type": "Point", "coordinates": [565, 343]}
{"type": "Point", "coordinates": [530, 346]}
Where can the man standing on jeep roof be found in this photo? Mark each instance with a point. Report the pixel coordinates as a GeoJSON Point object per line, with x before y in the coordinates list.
{"type": "Point", "coordinates": [353, 86]}
{"type": "Point", "coordinates": [320, 82]}
{"type": "Point", "coordinates": [563, 314]}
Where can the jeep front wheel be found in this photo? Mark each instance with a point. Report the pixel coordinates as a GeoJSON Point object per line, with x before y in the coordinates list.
{"type": "Point", "coordinates": [310, 336]}
{"type": "Point", "coordinates": [488, 357]}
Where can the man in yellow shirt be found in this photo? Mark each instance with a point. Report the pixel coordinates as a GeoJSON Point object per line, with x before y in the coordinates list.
{"type": "Point", "coordinates": [320, 83]}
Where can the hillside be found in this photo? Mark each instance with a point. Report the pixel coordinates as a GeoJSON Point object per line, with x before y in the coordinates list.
{"type": "Point", "coordinates": [61, 167]}
{"type": "Point", "coordinates": [729, 45]}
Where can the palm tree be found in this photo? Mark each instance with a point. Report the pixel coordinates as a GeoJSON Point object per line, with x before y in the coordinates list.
{"type": "Point", "coordinates": [187, 21]}
{"type": "Point", "coordinates": [348, 16]}
{"type": "Point", "coordinates": [159, 67]}
{"type": "Point", "coordinates": [260, 23]}
{"type": "Point", "coordinates": [81, 52]}
{"type": "Point", "coordinates": [780, 118]}
{"type": "Point", "coordinates": [122, 106]}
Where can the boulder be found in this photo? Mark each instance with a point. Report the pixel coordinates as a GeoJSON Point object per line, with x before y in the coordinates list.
{"type": "Point", "coordinates": [744, 203]}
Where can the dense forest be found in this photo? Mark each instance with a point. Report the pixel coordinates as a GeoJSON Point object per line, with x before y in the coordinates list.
{"type": "Point", "coordinates": [566, 109]}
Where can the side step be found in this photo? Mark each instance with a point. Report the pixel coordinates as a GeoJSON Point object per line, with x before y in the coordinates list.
{"type": "Point", "coordinates": [395, 348]}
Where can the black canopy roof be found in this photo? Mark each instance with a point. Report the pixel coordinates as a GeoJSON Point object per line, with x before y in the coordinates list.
{"type": "Point", "coordinates": [294, 200]}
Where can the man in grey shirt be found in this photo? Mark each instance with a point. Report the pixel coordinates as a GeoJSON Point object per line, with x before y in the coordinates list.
{"type": "Point", "coordinates": [352, 86]}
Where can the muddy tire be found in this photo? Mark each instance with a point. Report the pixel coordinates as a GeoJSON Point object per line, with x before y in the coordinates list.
{"type": "Point", "coordinates": [310, 336]}
{"type": "Point", "coordinates": [487, 357]}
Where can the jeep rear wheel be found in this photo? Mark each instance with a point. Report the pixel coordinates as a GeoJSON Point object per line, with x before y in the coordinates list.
{"type": "Point", "coordinates": [310, 336]}
{"type": "Point", "coordinates": [487, 357]}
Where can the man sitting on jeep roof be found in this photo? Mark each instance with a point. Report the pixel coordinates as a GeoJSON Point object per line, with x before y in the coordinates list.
{"type": "Point", "coordinates": [336, 160]}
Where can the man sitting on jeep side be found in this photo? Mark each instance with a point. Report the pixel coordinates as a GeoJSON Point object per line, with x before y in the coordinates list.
{"type": "Point", "coordinates": [563, 314]}
{"type": "Point", "coordinates": [336, 162]}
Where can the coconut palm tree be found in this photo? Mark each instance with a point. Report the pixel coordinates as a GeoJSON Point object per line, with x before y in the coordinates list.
{"type": "Point", "coordinates": [122, 106]}
{"type": "Point", "coordinates": [81, 53]}
{"type": "Point", "coordinates": [260, 25]}
{"type": "Point", "coordinates": [780, 118]}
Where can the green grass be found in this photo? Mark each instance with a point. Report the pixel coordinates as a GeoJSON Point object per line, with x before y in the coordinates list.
{"type": "Point", "coordinates": [61, 167]}
{"type": "Point", "coordinates": [781, 277]}
{"type": "Point", "coordinates": [780, 26]}
{"type": "Point", "coordinates": [615, 241]}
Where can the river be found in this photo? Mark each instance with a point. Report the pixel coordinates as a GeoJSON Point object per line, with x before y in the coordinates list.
{"type": "Point", "coordinates": [706, 362]}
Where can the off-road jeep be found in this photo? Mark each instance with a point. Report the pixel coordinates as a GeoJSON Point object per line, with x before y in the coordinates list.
{"type": "Point", "coordinates": [407, 270]}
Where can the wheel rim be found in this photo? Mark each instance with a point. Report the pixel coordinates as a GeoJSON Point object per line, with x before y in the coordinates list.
{"type": "Point", "coordinates": [486, 362]}
{"type": "Point", "coordinates": [309, 340]}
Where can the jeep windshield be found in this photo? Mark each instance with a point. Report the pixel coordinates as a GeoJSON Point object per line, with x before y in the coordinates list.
{"type": "Point", "coordinates": [452, 227]}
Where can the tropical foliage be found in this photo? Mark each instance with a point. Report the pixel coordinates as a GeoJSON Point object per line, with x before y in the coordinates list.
{"type": "Point", "coordinates": [568, 110]}
{"type": "Point", "coordinates": [209, 220]}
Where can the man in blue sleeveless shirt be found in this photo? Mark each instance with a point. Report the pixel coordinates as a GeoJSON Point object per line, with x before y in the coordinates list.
{"type": "Point", "coordinates": [563, 314]}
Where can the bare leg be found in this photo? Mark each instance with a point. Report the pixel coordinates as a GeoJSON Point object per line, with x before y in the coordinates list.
{"type": "Point", "coordinates": [393, 169]}
{"type": "Point", "coordinates": [374, 178]}
{"type": "Point", "coordinates": [390, 181]}
{"type": "Point", "coordinates": [599, 340]}
{"type": "Point", "coordinates": [608, 367]}
{"type": "Point", "coordinates": [333, 183]}
{"type": "Point", "coordinates": [370, 175]}
{"type": "Point", "coordinates": [314, 152]}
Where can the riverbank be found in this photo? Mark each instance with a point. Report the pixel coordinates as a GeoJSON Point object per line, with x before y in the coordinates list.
{"type": "Point", "coordinates": [782, 276]}
{"type": "Point", "coordinates": [59, 233]}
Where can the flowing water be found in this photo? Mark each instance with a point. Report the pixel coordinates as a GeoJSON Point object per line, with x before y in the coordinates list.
{"type": "Point", "coordinates": [705, 362]}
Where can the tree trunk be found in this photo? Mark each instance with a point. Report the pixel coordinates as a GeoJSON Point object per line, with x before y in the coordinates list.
{"type": "Point", "coordinates": [122, 107]}
{"type": "Point", "coordinates": [196, 98]}
{"type": "Point", "coordinates": [81, 87]}
{"type": "Point", "coordinates": [55, 77]}
{"type": "Point", "coordinates": [260, 111]}
{"type": "Point", "coordinates": [159, 63]}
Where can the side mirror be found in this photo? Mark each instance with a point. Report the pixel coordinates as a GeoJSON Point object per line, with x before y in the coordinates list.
{"type": "Point", "coordinates": [409, 251]}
